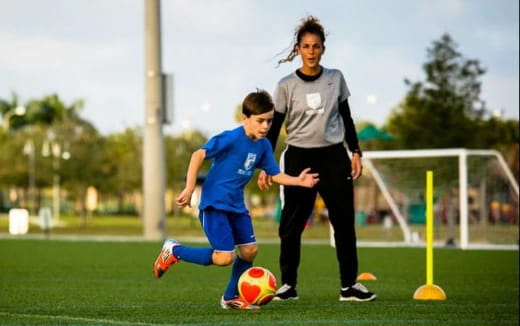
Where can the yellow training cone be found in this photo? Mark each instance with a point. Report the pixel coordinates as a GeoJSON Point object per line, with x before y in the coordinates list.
{"type": "Point", "coordinates": [366, 276]}
{"type": "Point", "coordinates": [429, 291]}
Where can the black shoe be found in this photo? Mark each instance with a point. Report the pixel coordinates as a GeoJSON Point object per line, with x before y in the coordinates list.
{"type": "Point", "coordinates": [286, 292]}
{"type": "Point", "coordinates": [357, 292]}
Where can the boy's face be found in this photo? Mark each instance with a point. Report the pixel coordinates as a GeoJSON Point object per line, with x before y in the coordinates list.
{"type": "Point", "coordinates": [257, 125]}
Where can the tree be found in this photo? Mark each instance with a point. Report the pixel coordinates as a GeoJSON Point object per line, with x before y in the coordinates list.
{"type": "Point", "coordinates": [7, 110]}
{"type": "Point", "coordinates": [445, 110]}
{"type": "Point", "coordinates": [43, 112]}
{"type": "Point", "coordinates": [122, 164]}
{"type": "Point", "coordinates": [178, 152]}
{"type": "Point", "coordinates": [45, 124]}
{"type": "Point", "coordinates": [502, 135]}
{"type": "Point", "coordinates": [87, 165]}
{"type": "Point", "coordinates": [46, 111]}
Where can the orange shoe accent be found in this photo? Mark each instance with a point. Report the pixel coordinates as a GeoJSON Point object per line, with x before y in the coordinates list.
{"type": "Point", "coordinates": [165, 258]}
{"type": "Point", "coordinates": [237, 303]}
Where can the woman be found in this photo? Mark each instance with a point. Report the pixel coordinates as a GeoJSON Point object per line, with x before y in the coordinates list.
{"type": "Point", "coordinates": [314, 103]}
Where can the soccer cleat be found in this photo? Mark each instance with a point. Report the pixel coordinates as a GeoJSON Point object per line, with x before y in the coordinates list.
{"type": "Point", "coordinates": [357, 292]}
{"type": "Point", "coordinates": [165, 258]}
{"type": "Point", "coordinates": [286, 292]}
{"type": "Point", "coordinates": [237, 303]}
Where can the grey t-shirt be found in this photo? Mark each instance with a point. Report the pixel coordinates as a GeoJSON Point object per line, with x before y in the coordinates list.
{"type": "Point", "coordinates": [312, 108]}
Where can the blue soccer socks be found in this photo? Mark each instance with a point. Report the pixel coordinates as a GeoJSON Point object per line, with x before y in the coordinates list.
{"type": "Point", "coordinates": [200, 256]}
{"type": "Point", "coordinates": [239, 267]}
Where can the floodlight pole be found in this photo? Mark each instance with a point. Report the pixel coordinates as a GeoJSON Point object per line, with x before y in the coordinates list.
{"type": "Point", "coordinates": [154, 221]}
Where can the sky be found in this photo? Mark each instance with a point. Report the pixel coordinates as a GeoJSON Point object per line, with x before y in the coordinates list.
{"type": "Point", "coordinates": [219, 51]}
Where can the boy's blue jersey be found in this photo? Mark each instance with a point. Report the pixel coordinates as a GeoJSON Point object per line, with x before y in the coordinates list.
{"type": "Point", "coordinates": [235, 157]}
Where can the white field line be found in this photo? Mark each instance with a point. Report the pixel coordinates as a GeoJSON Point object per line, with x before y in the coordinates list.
{"type": "Point", "coordinates": [321, 321]}
{"type": "Point", "coordinates": [360, 244]}
{"type": "Point", "coordinates": [63, 318]}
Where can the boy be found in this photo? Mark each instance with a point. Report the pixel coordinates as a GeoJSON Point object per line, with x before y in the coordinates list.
{"type": "Point", "coordinates": [223, 214]}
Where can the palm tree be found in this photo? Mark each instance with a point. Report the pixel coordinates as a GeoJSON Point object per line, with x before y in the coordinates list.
{"type": "Point", "coordinates": [11, 111]}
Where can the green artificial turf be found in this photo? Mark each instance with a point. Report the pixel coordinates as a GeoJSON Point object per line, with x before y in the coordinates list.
{"type": "Point", "coordinates": [52, 282]}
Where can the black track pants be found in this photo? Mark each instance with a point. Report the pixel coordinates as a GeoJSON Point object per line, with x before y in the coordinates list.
{"type": "Point", "coordinates": [336, 188]}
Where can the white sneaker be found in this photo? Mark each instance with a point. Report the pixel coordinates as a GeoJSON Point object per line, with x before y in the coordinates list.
{"type": "Point", "coordinates": [357, 292]}
{"type": "Point", "coordinates": [286, 292]}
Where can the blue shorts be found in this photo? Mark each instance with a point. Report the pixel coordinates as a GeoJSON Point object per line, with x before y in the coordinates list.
{"type": "Point", "coordinates": [225, 230]}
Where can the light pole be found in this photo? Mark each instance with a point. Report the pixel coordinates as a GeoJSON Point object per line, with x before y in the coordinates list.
{"type": "Point", "coordinates": [56, 152]}
{"type": "Point", "coordinates": [28, 150]}
{"type": "Point", "coordinates": [154, 170]}
{"type": "Point", "coordinates": [52, 147]}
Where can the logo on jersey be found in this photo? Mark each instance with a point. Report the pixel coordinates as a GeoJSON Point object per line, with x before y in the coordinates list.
{"type": "Point", "coordinates": [314, 103]}
{"type": "Point", "coordinates": [248, 164]}
{"type": "Point", "coordinates": [251, 158]}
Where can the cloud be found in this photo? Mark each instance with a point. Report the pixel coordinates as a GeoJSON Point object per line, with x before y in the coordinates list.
{"type": "Point", "coordinates": [39, 54]}
{"type": "Point", "coordinates": [219, 51]}
{"type": "Point", "coordinates": [500, 39]}
{"type": "Point", "coordinates": [221, 18]}
{"type": "Point", "coordinates": [371, 99]}
{"type": "Point", "coordinates": [105, 74]}
{"type": "Point", "coordinates": [443, 8]}
{"type": "Point", "coordinates": [501, 93]}
{"type": "Point", "coordinates": [205, 107]}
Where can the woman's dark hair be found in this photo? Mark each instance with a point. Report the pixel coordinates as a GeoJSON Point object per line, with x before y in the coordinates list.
{"type": "Point", "coordinates": [258, 102]}
{"type": "Point", "coordinates": [309, 24]}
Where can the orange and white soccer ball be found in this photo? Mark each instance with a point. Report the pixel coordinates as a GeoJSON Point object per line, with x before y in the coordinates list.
{"type": "Point", "coordinates": [257, 285]}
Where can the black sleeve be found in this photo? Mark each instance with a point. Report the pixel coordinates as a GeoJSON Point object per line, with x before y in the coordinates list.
{"type": "Point", "coordinates": [274, 132]}
{"type": "Point", "coordinates": [350, 128]}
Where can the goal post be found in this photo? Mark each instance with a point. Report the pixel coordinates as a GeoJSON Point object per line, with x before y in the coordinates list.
{"type": "Point", "coordinates": [469, 180]}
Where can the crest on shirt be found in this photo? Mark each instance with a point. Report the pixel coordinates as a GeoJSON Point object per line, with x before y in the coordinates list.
{"type": "Point", "coordinates": [248, 164]}
{"type": "Point", "coordinates": [314, 103]}
{"type": "Point", "coordinates": [313, 100]}
{"type": "Point", "coordinates": [251, 158]}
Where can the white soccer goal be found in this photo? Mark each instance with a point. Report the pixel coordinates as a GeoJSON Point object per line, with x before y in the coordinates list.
{"type": "Point", "coordinates": [474, 191]}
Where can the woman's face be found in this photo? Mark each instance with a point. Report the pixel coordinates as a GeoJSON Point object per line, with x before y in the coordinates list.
{"type": "Point", "coordinates": [310, 49]}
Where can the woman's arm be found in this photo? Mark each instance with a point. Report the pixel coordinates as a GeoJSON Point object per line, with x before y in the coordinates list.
{"type": "Point", "coordinates": [350, 127]}
{"type": "Point", "coordinates": [276, 126]}
{"type": "Point", "coordinates": [264, 181]}
{"type": "Point", "coordinates": [351, 139]}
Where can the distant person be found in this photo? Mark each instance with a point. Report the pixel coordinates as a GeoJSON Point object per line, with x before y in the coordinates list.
{"type": "Point", "coordinates": [223, 214]}
{"type": "Point", "coordinates": [313, 101]}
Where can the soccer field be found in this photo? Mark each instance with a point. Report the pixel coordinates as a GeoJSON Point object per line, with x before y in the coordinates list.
{"type": "Point", "coordinates": [52, 282]}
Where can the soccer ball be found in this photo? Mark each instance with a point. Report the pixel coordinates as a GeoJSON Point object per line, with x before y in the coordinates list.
{"type": "Point", "coordinates": [257, 285]}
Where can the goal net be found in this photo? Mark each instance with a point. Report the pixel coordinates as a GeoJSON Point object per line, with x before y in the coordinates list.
{"type": "Point", "coordinates": [475, 198]}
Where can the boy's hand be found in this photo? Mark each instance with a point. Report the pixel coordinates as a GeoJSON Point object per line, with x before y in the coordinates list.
{"type": "Point", "coordinates": [184, 198]}
{"type": "Point", "coordinates": [308, 180]}
{"type": "Point", "coordinates": [264, 181]}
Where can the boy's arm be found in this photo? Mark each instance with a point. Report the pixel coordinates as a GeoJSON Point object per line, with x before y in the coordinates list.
{"type": "Point", "coordinates": [197, 158]}
{"type": "Point", "coordinates": [305, 179]}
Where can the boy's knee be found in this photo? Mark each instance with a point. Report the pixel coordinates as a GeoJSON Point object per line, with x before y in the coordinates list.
{"type": "Point", "coordinates": [223, 258]}
{"type": "Point", "coordinates": [248, 252]}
